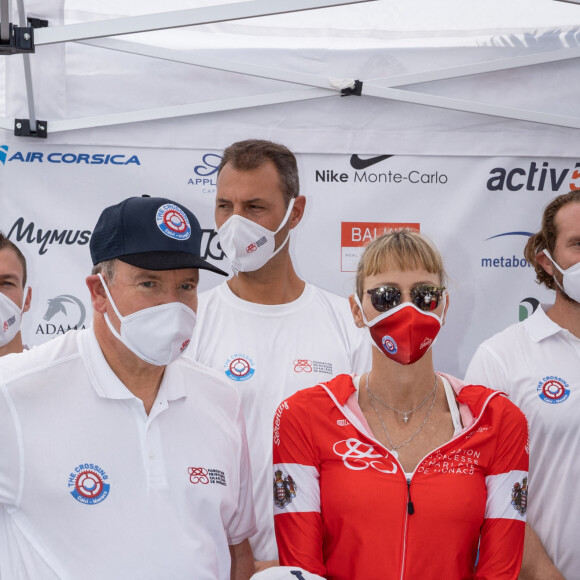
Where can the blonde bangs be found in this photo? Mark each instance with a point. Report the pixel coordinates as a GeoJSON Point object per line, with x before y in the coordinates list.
{"type": "Point", "coordinates": [403, 250]}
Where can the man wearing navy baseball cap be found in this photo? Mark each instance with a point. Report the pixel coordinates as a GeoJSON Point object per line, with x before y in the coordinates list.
{"type": "Point", "coordinates": [120, 459]}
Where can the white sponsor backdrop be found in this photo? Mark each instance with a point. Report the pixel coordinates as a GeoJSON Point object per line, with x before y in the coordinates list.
{"type": "Point", "coordinates": [478, 210]}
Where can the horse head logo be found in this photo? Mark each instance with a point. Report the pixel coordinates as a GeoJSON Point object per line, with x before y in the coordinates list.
{"type": "Point", "coordinates": [58, 304]}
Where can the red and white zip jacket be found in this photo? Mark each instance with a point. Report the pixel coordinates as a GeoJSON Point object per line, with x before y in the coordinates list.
{"type": "Point", "coordinates": [344, 508]}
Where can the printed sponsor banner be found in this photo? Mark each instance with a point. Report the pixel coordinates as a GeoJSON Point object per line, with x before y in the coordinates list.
{"type": "Point", "coordinates": [354, 236]}
{"type": "Point", "coordinates": [479, 211]}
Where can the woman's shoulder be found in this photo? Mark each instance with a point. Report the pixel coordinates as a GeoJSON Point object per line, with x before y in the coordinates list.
{"type": "Point", "coordinates": [493, 402]}
{"type": "Point", "coordinates": [332, 392]}
{"type": "Point", "coordinates": [479, 399]}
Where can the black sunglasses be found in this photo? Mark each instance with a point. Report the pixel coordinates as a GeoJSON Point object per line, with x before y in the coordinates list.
{"type": "Point", "coordinates": [426, 297]}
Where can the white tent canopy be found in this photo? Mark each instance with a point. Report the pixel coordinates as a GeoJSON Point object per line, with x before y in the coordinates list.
{"type": "Point", "coordinates": [445, 78]}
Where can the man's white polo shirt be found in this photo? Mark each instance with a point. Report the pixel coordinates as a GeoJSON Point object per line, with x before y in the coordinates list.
{"type": "Point", "coordinates": [537, 363]}
{"type": "Point", "coordinates": [94, 488]}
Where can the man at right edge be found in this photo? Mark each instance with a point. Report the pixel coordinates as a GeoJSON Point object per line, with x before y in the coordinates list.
{"type": "Point", "coordinates": [537, 362]}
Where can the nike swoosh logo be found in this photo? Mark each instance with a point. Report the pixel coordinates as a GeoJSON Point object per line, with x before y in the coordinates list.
{"type": "Point", "coordinates": [357, 163]}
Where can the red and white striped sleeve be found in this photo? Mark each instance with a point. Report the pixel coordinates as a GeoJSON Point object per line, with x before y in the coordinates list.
{"type": "Point", "coordinates": [502, 533]}
{"type": "Point", "coordinates": [296, 487]}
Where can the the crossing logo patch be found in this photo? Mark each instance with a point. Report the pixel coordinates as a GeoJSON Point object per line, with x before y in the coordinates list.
{"type": "Point", "coordinates": [88, 483]}
{"type": "Point", "coordinates": [553, 390]}
{"type": "Point", "coordinates": [173, 222]}
{"type": "Point", "coordinates": [389, 344]}
{"type": "Point", "coordinates": [239, 367]}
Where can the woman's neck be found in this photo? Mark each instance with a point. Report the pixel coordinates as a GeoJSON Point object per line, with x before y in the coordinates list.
{"type": "Point", "coordinates": [401, 386]}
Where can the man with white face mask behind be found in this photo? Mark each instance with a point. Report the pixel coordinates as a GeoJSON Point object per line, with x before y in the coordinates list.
{"type": "Point", "coordinates": [120, 458]}
{"type": "Point", "coordinates": [14, 296]}
{"type": "Point", "coordinates": [537, 362]}
{"type": "Point", "coordinates": [265, 329]}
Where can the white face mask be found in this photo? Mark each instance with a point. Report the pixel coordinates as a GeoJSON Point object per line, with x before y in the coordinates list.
{"type": "Point", "coordinates": [10, 318]}
{"type": "Point", "coordinates": [571, 280]}
{"type": "Point", "coordinates": [158, 335]}
{"type": "Point", "coordinates": [248, 245]}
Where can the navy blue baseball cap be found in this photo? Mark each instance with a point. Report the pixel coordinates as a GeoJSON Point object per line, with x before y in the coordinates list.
{"type": "Point", "coordinates": [153, 233]}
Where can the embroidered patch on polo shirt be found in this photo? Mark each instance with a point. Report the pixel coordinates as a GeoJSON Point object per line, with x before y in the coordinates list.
{"type": "Point", "coordinates": [553, 390]}
{"type": "Point", "coordinates": [88, 483]}
{"type": "Point", "coordinates": [205, 476]}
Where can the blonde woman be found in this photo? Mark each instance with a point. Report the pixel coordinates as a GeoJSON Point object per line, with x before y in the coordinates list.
{"type": "Point", "coordinates": [402, 472]}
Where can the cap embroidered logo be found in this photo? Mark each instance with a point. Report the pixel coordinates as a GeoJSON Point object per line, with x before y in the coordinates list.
{"type": "Point", "coordinates": [173, 222]}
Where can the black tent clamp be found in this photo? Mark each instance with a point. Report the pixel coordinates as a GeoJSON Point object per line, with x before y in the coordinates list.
{"type": "Point", "coordinates": [355, 90]}
{"type": "Point", "coordinates": [22, 128]}
{"type": "Point", "coordinates": [20, 40]}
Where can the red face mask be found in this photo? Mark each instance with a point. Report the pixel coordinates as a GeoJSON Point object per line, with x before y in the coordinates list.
{"type": "Point", "coordinates": [404, 333]}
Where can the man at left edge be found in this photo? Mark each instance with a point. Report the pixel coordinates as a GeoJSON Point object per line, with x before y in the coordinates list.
{"type": "Point", "coordinates": [119, 458]}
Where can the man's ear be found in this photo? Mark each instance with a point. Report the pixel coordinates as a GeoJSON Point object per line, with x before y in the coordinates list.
{"type": "Point", "coordinates": [98, 295]}
{"type": "Point", "coordinates": [27, 300]}
{"type": "Point", "coordinates": [297, 211]}
{"type": "Point", "coordinates": [545, 262]}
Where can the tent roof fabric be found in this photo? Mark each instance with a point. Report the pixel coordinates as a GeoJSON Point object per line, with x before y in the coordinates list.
{"type": "Point", "coordinates": [437, 78]}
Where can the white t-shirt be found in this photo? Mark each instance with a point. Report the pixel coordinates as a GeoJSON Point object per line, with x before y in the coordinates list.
{"type": "Point", "coordinates": [92, 487]}
{"type": "Point", "coordinates": [538, 364]}
{"type": "Point", "coordinates": [269, 352]}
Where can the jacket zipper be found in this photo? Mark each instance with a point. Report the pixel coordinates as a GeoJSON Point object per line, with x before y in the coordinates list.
{"type": "Point", "coordinates": [408, 512]}
{"type": "Point", "coordinates": [410, 506]}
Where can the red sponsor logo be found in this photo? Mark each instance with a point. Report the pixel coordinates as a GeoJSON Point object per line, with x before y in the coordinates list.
{"type": "Point", "coordinates": [302, 366]}
{"type": "Point", "coordinates": [354, 236]}
{"type": "Point", "coordinates": [359, 234]}
{"type": "Point", "coordinates": [359, 456]}
{"type": "Point", "coordinates": [198, 475]}
{"type": "Point", "coordinates": [251, 248]}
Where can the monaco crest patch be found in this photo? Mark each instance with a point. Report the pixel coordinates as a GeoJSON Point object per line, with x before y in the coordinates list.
{"type": "Point", "coordinates": [284, 489]}
{"type": "Point", "coordinates": [520, 496]}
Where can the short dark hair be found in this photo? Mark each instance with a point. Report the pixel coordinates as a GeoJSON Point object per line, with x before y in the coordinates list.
{"type": "Point", "coordinates": [6, 244]}
{"type": "Point", "coordinates": [250, 154]}
{"type": "Point", "coordinates": [545, 239]}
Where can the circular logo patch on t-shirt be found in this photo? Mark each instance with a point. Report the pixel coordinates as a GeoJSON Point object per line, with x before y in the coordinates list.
{"type": "Point", "coordinates": [553, 390]}
{"type": "Point", "coordinates": [239, 367]}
